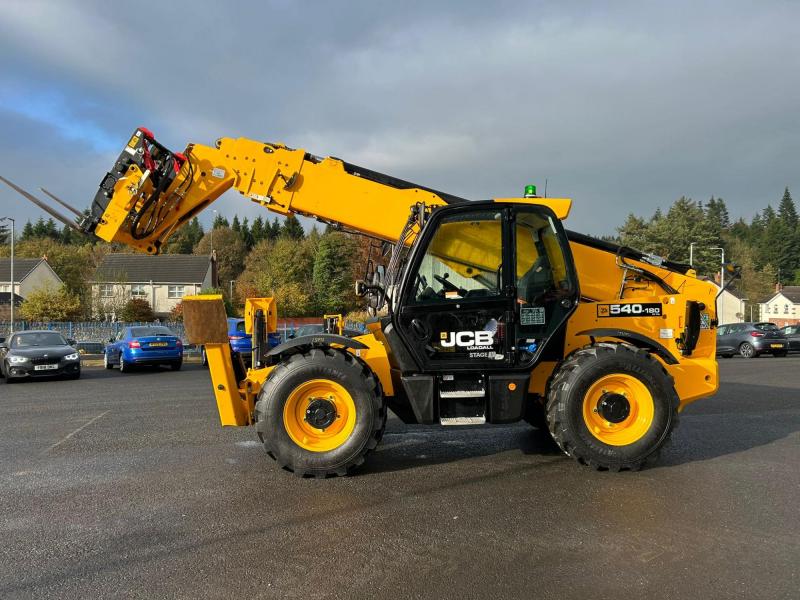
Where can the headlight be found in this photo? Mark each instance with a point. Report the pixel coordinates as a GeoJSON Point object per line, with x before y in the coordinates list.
{"type": "Point", "coordinates": [18, 359]}
{"type": "Point", "coordinates": [74, 356]}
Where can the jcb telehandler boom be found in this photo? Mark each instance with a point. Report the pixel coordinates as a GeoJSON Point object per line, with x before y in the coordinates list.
{"type": "Point", "coordinates": [494, 313]}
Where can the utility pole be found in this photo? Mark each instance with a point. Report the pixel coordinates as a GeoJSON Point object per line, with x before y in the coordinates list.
{"type": "Point", "coordinates": [721, 280]}
{"type": "Point", "coordinates": [11, 330]}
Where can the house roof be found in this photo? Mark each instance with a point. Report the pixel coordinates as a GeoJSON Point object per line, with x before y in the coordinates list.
{"type": "Point", "coordinates": [22, 268]}
{"type": "Point", "coordinates": [790, 292]}
{"type": "Point", "coordinates": [5, 298]}
{"type": "Point", "coordinates": [162, 268]}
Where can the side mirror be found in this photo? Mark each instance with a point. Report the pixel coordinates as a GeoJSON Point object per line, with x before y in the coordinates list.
{"type": "Point", "coordinates": [3, 346]}
{"type": "Point", "coordinates": [111, 340]}
{"type": "Point", "coordinates": [71, 342]}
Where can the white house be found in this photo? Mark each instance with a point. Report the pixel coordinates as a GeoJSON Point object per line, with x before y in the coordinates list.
{"type": "Point", "coordinates": [162, 280]}
{"type": "Point", "coordinates": [29, 274]}
{"type": "Point", "coordinates": [730, 307]}
{"type": "Point", "coordinates": [783, 307]}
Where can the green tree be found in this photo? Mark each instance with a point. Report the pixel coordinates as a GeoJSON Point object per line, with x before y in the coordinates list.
{"type": "Point", "coordinates": [292, 228]}
{"type": "Point", "coordinates": [220, 221]}
{"type": "Point", "coordinates": [257, 230]}
{"type": "Point", "coordinates": [27, 232]}
{"type": "Point", "coordinates": [230, 251]}
{"type": "Point", "coordinates": [284, 269]}
{"type": "Point", "coordinates": [49, 304]}
{"type": "Point", "coordinates": [137, 310]}
{"type": "Point", "coordinates": [185, 239]}
{"type": "Point", "coordinates": [333, 278]}
{"type": "Point", "coordinates": [246, 234]}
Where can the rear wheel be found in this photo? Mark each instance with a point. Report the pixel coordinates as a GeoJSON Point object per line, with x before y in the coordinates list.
{"type": "Point", "coordinates": [726, 355]}
{"type": "Point", "coordinates": [320, 413]}
{"type": "Point", "coordinates": [611, 406]}
{"type": "Point", "coordinates": [176, 365]}
{"type": "Point", "coordinates": [123, 366]}
{"type": "Point", "coordinates": [106, 362]}
{"type": "Point", "coordinates": [747, 350]}
{"type": "Point", "coordinates": [780, 353]}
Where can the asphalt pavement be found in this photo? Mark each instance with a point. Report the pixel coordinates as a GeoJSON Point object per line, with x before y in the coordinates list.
{"type": "Point", "coordinates": [126, 486]}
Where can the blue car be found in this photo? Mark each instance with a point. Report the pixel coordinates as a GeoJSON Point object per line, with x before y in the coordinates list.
{"type": "Point", "coordinates": [241, 341]}
{"type": "Point", "coordinates": [144, 345]}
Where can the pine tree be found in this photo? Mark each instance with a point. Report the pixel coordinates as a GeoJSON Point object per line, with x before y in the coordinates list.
{"type": "Point", "coordinates": [247, 234]}
{"type": "Point", "coordinates": [333, 273]}
{"type": "Point", "coordinates": [292, 228]}
{"type": "Point", "coordinates": [257, 230]}
{"type": "Point", "coordinates": [274, 230]}
{"type": "Point", "coordinates": [27, 232]}
{"type": "Point", "coordinates": [236, 225]}
{"type": "Point", "coordinates": [220, 221]}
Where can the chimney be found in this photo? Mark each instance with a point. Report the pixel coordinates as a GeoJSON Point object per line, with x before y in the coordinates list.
{"type": "Point", "coordinates": [778, 287]}
{"type": "Point", "coordinates": [214, 273]}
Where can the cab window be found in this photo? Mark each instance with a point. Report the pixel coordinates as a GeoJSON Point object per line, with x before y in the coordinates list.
{"type": "Point", "coordinates": [541, 268]}
{"type": "Point", "coordinates": [463, 260]}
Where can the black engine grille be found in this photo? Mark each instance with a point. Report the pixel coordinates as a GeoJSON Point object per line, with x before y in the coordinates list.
{"type": "Point", "coordinates": [46, 361]}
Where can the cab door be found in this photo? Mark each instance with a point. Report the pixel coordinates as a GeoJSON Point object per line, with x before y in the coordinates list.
{"type": "Point", "coordinates": [544, 282]}
{"type": "Point", "coordinates": [456, 301]}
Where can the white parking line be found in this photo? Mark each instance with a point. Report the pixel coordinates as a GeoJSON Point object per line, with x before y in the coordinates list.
{"type": "Point", "coordinates": [84, 426]}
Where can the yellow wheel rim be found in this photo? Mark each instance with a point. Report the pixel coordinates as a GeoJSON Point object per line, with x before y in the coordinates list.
{"type": "Point", "coordinates": [618, 409]}
{"type": "Point", "coordinates": [333, 428]}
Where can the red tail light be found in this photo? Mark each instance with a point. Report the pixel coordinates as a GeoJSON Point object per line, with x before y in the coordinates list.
{"type": "Point", "coordinates": [134, 344]}
{"type": "Point", "coordinates": [756, 334]}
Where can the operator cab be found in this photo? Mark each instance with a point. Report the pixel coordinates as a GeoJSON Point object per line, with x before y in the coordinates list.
{"type": "Point", "coordinates": [485, 296]}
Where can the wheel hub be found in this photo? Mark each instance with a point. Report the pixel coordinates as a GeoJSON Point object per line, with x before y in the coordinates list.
{"type": "Point", "coordinates": [321, 413]}
{"type": "Point", "coordinates": [614, 408]}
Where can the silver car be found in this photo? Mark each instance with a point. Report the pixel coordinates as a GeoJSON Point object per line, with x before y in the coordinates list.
{"type": "Point", "coordinates": [751, 340]}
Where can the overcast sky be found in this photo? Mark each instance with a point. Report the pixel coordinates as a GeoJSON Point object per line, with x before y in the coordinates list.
{"type": "Point", "coordinates": [623, 109]}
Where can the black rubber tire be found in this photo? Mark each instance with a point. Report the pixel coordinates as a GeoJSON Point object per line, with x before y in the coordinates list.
{"type": "Point", "coordinates": [358, 380]}
{"type": "Point", "coordinates": [176, 366]}
{"type": "Point", "coordinates": [123, 366]}
{"type": "Point", "coordinates": [746, 350]}
{"type": "Point", "coordinates": [571, 381]}
{"type": "Point", "coordinates": [780, 354]}
{"type": "Point", "coordinates": [203, 357]}
{"type": "Point", "coordinates": [106, 363]}
{"type": "Point", "coordinates": [74, 376]}
{"type": "Point", "coordinates": [726, 355]}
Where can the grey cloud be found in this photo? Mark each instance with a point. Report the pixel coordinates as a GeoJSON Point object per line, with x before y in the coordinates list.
{"type": "Point", "coordinates": [624, 108]}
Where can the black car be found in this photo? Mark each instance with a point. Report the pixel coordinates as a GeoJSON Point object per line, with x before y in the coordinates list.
{"type": "Point", "coordinates": [792, 333]}
{"type": "Point", "coordinates": [751, 340]}
{"type": "Point", "coordinates": [28, 354]}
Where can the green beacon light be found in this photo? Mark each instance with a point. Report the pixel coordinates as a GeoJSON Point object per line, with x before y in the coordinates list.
{"type": "Point", "coordinates": [530, 191]}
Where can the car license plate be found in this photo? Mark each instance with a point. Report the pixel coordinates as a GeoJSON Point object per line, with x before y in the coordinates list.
{"type": "Point", "coordinates": [44, 367]}
{"type": "Point", "coordinates": [158, 344]}
{"type": "Point", "coordinates": [776, 345]}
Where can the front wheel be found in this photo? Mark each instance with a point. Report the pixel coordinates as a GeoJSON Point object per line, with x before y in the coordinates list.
{"type": "Point", "coordinates": [106, 363]}
{"type": "Point", "coordinates": [320, 413]}
{"type": "Point", "coordinates": [611, 406]}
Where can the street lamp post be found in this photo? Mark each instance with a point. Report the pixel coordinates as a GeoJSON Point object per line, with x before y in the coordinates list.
{"type": "Point", "coordinates": [721, 280]}
{"type": "Point", "coordinates": [212, 230]}
{"type": "Point", "coordinates": [691, 253]}
{"type": "Point", "coordinates": [11, 330]}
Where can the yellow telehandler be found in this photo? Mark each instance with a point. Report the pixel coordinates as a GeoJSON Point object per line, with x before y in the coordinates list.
{"type": "Point", "coordinates": [488, 311]}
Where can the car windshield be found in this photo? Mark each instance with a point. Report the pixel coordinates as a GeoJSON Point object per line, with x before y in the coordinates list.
{"type": "Point", "coordinates": [240, 327]}
{"type": "Point", "coordinates": [766, 326]}
{"type": "Point", "coordinates": [138, 332]}
{"type": "Point", "coordinates": [308, 330]}
{"type": "Point", "coordinates": [37, 338]}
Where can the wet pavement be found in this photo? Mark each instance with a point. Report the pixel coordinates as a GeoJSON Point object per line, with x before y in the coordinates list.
{"type": "Point", "coordinates": [126, 486]}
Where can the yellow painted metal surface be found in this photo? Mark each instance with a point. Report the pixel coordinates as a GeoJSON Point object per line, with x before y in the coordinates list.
{"type": "Point", "coordinates": [270, 308]}
{"type": "Point", "coordinates": [235, 408]}
{"type": "Point", "coordinates": [302, 432]}
{"type": "Point", "coordinates": [639, 419]}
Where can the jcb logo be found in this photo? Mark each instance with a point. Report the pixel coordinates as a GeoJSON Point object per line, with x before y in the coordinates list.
{"type": "Point", "coordinates": [466, 338]}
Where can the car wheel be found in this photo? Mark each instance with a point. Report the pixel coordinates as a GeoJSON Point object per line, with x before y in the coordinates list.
{"type": "Point", "coordinates": [106, 363]}
{"type": "Point", "coordinates": [203, 357]}
{"type": "Point", "coordinates": [747, 350]}
{"type": "Point", "coordinates": [726, 355]}
{"type": "Point", "coordinates": [75, 376]}
{"type": "Point", "coordinates": [176, 366]}
{"type": "Point", "coordinates": [123, 366]}
{"type": "Point", "coordinates": [780, 353]}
